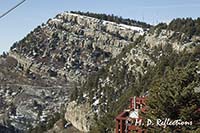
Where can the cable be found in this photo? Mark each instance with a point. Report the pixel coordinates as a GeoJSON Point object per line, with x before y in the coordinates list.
{"type": "Point", "coordinates": [4, 14]}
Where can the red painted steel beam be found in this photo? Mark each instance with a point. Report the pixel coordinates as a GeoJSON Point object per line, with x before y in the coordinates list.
{"type": "Point", "coordinates": [121, 128]}
{"type": "Point", "coordinates": [117, 126]}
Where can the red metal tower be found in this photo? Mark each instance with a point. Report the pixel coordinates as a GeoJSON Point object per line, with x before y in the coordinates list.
{"type": "Point", "coordinates": [129, 120]}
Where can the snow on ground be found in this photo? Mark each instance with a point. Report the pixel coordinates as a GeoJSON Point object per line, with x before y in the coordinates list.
{"type": "Point", "coordinates": [134, 28]}
{"type": "Point", "coordinates": [96, 102]}
{"type": "Point", "coordinates": [108, 22]}
{"type": "Point", "coordinates": [122, 26]}
{"type": "Point", "coordinates": [56, 20]}
{"type": "Point", "coordinates": [73, 14]}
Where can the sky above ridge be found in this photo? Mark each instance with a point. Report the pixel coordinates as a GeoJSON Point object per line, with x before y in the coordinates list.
{"type": "Point", "coordinates": [32, 13]}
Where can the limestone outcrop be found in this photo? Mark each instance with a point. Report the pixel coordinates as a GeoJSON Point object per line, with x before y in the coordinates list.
{"type": "Point", "coordinates": [80, 115]}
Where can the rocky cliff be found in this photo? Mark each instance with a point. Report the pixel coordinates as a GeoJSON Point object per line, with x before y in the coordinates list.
{"type": "Point", "coordinates": [72, 45]}
{"type": "Point", "coordinates": [41, 70]}
{"type": "Point", "coordinates": [82, 64]}
{"type": "Point", "coordinates": [80, 115]}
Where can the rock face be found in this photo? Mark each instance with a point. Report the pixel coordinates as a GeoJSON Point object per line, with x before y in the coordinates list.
{"type": "Point", "coordinates": [81, 116]}
{"type": "Point", "coordinates": [72, 45]}
{"type": "Point", "coordinates": [164, 38]}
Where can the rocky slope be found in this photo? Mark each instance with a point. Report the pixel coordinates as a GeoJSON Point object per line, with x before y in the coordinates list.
{"type": "Point", "coordinates": [72, 45]}
{"type": "Point", "coordinates": [78, 66]}
{"type": "Point", "coordinates": [105, 88]}
{"type": "Point", "coordinates": [80, 115]}
{"type": "Point", "coordinates": [41, 70]}
{"type": "Point", "coordinates": [26, 98]}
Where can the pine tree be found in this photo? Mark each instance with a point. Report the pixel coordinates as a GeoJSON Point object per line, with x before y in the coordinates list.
{"type": "Point", "coordinates": [173, 96]}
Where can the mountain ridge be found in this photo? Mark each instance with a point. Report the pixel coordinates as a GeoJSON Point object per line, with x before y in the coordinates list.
{"type": "Point", "coordinates": [90, 62]}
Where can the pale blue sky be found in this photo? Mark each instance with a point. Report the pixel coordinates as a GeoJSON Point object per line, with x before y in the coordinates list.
{"type": "Point", "coordinates": [32, 13]}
